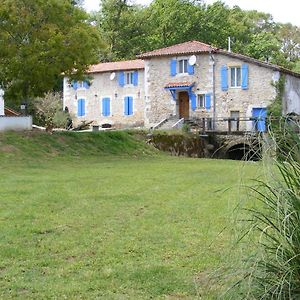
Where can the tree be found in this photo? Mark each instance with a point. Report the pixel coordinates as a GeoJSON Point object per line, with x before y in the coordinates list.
{"type": "Point", "coordinates": [264, 46]}
{"type": "Point", "coordinates": [289, 37]}
{"type": "Point", "coordinates": [122, 27]}
{"type": "Point", "coordinates": [40, 40]}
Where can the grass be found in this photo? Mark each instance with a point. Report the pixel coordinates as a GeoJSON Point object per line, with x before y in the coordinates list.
{"type": "Point", "coordinates": [103, 216]}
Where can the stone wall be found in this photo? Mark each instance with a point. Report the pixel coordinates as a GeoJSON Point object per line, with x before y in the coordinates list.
{"type": "Point", "coordinates": [260, 93]}
{"type": "Point", "coordinates": [160, 104]}
{"type": "Point", "coordinates": [102, 87]}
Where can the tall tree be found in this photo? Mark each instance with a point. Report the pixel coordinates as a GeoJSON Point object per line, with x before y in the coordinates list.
{"type": "Point", "coordinates": [122, 26]}
{"type": "Point", "coordinates": [40, 40]}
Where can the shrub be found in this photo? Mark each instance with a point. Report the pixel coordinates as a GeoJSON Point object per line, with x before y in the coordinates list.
{"type": "Point", "coordinates": [186, 128]}
{"type": "Point", "coordinates": [49, 109]}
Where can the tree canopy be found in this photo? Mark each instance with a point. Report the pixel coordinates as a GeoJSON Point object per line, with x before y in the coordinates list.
{"type": "Point", "coordinates": [40, 40]}
{"type": "Point", "coordinates": [130, 29]}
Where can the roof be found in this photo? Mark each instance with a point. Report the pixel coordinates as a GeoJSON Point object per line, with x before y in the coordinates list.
{"type": "Point", "coordinates": [196, 47]}
{"type": "Point", "coordinates": [191, 47]}
{"type": "Point", "coordinates": [136, 64]}
{"type": "Point", "coordinates": [179, 84]}
{"type": "Point", "coordinates": [258, 62]}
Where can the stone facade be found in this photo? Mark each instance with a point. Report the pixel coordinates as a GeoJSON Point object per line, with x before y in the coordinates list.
{"type": "Point", "coordinates": [159, 91]}
{"type": "Point", "coordinates": [103, 87]}
{"type": "Point", "coordinates": [160, 103]}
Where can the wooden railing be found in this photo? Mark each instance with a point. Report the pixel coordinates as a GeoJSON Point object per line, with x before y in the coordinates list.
{"type": "Point", "coordinates": [240, 125]}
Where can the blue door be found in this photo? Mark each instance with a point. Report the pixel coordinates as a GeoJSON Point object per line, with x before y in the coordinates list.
{"type": "Point", "coordinates": [260, 115]}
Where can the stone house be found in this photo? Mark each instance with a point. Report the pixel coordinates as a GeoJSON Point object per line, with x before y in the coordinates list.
{"type": "Point", "coordinates": [191, 80]}
{"type": "Point", "coordinates": [115, 95]}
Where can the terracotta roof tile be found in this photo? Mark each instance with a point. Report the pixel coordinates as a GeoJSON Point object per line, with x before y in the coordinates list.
{"type": "Point", "coordinates": [136, 64]}
{"type": "Point", "coordinates": [179, 84]}
{"type": "Point", "coordinates": [196, 47]}
{"type": "Point", "coordinates": [184, 48]}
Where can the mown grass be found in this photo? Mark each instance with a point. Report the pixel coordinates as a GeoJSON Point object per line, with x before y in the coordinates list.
{"type": "Point", "coordinates": [95, 216]}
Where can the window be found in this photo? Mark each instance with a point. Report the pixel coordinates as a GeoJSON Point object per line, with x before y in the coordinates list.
{"type": "Point", "coordinates": [183, 66]}
{"type": "Point", "coordinates": [80, 85]}
{"type": "Point", "coordinates": [128, 78]}
{"type": "Point", "coordinates": [201, 101]}
{"type": "Point", "coordinates": [236, 76]}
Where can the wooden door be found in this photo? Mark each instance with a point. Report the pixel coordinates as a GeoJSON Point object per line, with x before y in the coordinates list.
{"type": "Point", "coordinates": [184, 105]}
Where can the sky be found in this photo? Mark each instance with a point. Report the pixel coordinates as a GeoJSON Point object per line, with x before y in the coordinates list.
{"type": "Point", "coordinates": [283, 11]}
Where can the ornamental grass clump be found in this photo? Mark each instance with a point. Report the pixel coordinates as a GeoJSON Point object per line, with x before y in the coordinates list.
{"type": "Point", "coordinates": [275, 271]}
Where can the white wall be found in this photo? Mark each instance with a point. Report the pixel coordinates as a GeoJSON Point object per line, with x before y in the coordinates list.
{"type": "Point", "coordinates": [1, 103]}
{"type": "Point", "coordinates": [291, 96]}
{"type": "Point", "coordinates": [15, 123]}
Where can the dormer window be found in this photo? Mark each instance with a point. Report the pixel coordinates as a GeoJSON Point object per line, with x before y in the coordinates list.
{"type": "Point", "coordinates": [183, 66]}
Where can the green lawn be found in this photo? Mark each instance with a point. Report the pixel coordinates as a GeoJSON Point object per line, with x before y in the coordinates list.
{"type": "Point", "coordinates": [110, 226]}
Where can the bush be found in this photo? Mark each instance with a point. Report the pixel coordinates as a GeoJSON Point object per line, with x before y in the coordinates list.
{"type": "Point", "coordinates": [50, 110]}
{"type": "Point", "coordinates": [186, 128]}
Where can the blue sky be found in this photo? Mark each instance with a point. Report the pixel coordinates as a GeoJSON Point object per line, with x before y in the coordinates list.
{"type": "Point", "coordinates": [282, 11]}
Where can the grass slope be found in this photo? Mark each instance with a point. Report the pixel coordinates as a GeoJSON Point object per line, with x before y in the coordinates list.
{"type": "Point", "coordinates": [86, 224]}
{"type": "Point", "coordinates": [43, 145]}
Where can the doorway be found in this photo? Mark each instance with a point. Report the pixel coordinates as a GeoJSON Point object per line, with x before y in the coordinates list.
{"type": "Point", "coordinates": [184, 105]}
{"type": "Point", "coordinates": [234, 116]}
{"type": "Point", "coordinates": [260, 115]}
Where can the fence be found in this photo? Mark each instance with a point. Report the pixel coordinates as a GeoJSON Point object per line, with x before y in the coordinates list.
{"type": "Point", "coordinates": [241, 125]}
{"type": "Point", "coordinates": [15, 123]}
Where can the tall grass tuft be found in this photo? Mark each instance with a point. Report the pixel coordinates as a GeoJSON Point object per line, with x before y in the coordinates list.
{"type": "Point", "coordinates": [275, 271]}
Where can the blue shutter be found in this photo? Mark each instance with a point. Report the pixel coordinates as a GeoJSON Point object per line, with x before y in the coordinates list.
{"type": "Point", "coordinates": [86, 84]}
{"type": "Point", "coordinates": [121, 79]}
{"type": "Point", "coordinates": [126, 106]}
{"type": "Point", "coordinates": [244, 76]}
{"type": "Point", "coordinates": [75, 85]}
{"type": "Point", "coordinates": [173, 67]}
{"type": "Point", "coordinates": [190, 69]}
{"type": "Point", "coordinates": [82, 107]}
{"type": "Point", "coordinates": [135, 78]}
{"type": "Point", "coordinates": [106, 107]}
{"type": "Point", "coordinates": [207, 101]}
{"type": "Point", "coordinates": [130, 106]}
{"type": "Point", "coordinates": [193, 99]}
{"type": "Point", "coordinates": [79, 108]}
{"type": "Point", "coordinates": [224, 78]}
